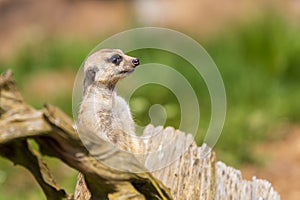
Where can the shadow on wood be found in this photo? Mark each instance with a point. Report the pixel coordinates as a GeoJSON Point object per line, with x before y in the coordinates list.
{"type": "Point", "coordinates": [194, 175]}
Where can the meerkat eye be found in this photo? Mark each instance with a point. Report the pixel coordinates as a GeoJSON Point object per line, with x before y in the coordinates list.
{"type": "Point", "coordinates": [116, 59]}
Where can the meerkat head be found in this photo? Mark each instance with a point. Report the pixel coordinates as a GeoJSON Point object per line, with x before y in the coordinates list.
{"type": "Point", "coordinates": [107, 66]}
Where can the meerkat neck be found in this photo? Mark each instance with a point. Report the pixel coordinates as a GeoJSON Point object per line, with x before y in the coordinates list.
{"type": "Point", "coordinates": [99, 92]}
{"type": "Point", "coordinates": [99, 88]}
{"type": "Point", "coordinates": [108, 86]}
{"type": "Point", "coordinates": [96, 109]}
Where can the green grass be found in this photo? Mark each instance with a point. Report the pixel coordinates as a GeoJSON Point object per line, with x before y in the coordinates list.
{"type": "Point", "coordinates": [16, 181]}
{"type": "Point", "coordinates": [259, 63]}
{"type": "Point", "coordinates": [52, 53]}
{"type": "Point", "coordinates": [260, 68]}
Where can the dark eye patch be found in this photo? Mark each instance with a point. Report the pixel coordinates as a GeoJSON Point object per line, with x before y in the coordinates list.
{"type": "Point", "coordinates": [116, 59]}
{"type": "Point", "coordinates": [89, 77]}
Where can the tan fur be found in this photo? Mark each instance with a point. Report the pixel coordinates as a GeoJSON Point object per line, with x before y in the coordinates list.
{"type": "Point", "coordinates": [102, 111]}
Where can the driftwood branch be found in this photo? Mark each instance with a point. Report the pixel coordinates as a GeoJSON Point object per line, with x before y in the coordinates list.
{"type": "Point", "coordinates": [54, 132]}
{"type": "Point", "coordinates": [194, 175]}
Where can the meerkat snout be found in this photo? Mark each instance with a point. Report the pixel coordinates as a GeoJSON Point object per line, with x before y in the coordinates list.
{"type": "Point", "coordinates": [135, 62]}
{"type": "Point", "coordinates": [107, 66]}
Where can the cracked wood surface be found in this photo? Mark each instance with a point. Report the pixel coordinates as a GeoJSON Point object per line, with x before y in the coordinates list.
{"type": "Point", "coordinates": [193, 175]}
{"type": "Point", "coordinates": [53, 131]}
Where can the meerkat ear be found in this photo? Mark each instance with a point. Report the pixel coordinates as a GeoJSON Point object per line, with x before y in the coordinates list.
{"type": "Point", "coordinates": [89, 77]}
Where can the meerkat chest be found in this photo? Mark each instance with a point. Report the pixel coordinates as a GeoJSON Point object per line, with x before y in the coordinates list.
{"type": "Point", "coordinates": [121, 116]}
{"type": "Point", "coordinates": [105, 112]}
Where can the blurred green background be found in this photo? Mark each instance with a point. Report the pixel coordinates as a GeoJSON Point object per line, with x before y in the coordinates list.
{"type": "Point", "coordinates": [256, 47]}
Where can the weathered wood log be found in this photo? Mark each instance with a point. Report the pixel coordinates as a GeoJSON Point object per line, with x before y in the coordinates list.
{"type": "Point", "coordinates": [54, 133]}
{"type": "Point", "coordinates": [194, 175]}
{"type": "Point", "coordinates": [197, 175]}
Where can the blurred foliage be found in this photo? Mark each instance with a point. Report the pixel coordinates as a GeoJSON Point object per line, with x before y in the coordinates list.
{"type": "Point", "coordinates": [46, 56]}
{"type": "Point", "coordinates": [156, 94]}
{"type": "Point", "coordinates": [260, 66]}
{"type": "Point", "coordinates": [51, 53]}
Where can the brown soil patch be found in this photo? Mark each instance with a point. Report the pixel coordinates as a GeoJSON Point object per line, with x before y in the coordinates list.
{"type": "Point", "coordinates": [23, 21]}
{"type": "Point", "coordinates": [282, 168]}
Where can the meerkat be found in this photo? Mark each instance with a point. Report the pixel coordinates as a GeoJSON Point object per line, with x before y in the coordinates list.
{"type": "Point", "coordinates": [102, 111]}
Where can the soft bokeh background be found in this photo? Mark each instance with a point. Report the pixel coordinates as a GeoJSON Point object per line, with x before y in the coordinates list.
{"type": "Point", "coordinates": [255, 44]}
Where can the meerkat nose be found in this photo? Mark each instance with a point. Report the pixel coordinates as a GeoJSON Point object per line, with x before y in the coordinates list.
{"type": "Point", "coordinates": [135, 62]}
